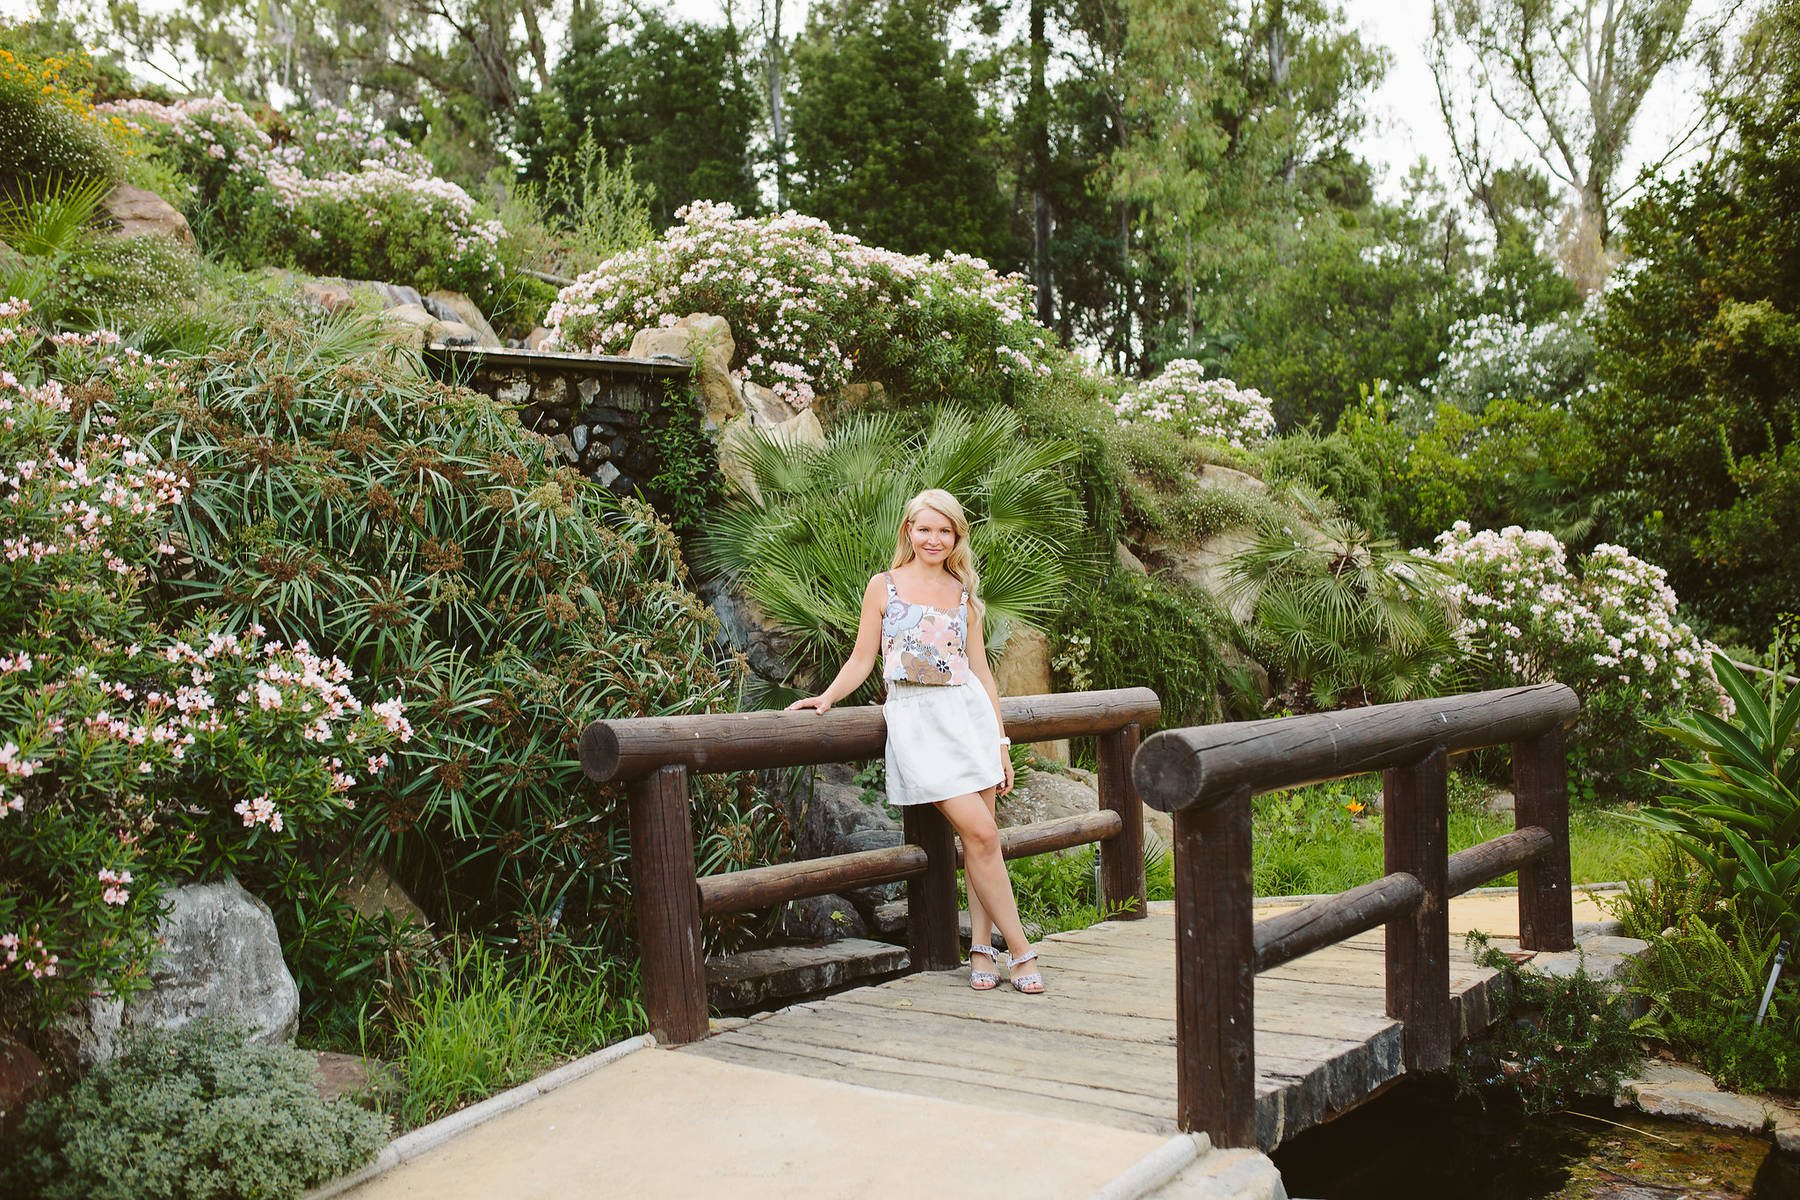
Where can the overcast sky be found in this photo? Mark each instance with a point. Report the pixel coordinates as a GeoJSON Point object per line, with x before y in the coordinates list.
{"type": "Point", "coordinates": [1405, 122]}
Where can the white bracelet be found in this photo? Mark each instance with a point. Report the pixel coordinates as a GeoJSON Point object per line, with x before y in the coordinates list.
{"type": "Point", "coordinates": [1006, 741]}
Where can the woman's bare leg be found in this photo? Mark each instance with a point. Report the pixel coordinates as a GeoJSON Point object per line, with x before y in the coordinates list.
{"type": "Point", "coordinates": [981, 925]}
{"type": "Point", "coordinates": [983, 867]}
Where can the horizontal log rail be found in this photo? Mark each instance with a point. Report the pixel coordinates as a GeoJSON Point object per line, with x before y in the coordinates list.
{"type": "Point", "coordinates": [654, 756]}
{"type": "Point", "coordinates": [753, 741]}
{"type": "Point", "coordinates": [1206, 777]}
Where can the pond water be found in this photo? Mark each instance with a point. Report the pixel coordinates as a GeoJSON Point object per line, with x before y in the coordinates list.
{"type": "Point", "coordinates": [1421, 1140]}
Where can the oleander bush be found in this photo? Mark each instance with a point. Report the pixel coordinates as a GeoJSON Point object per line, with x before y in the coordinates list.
{"type": "Point", "coordinates": [812, 309]}
{"type": "Point", "coordinates": [1608, 626]}
{"type": "Point", "coordinates": [199, 1114]}
{"type": "Point", "coordinates": [1214, 409]}
{"type": "Point", "coordinates": [136, 752]}
{"type": "Point", "coordinates": [320, 193]}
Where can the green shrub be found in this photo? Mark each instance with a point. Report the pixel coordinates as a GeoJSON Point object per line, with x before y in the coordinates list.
{"type": "Point", "coordinates": [481, 1024]}
{"type": "Point", "coordinates": [1137, 632]}
{"type": "Point", "coordinates": [1736, 806]}
{"type": "Point", "coordinates": [48, 127]}
{"type": "Point", "coordinates": [194, 1115]}
{"type": "Point", "coordinates": [1740, 1055]}
{"type": "Point", "coordinates": [1332, 466]}
{"type": "Point", "coordinates": [1348, 617]}
{"type": "Point", "coordinates": [1554, 1039]}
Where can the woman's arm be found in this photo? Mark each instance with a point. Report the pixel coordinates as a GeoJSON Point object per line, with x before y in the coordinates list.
{"type": "Point", "coordinates": [978, 664]}
{"type": "Point", "coordinates": [862, 657]}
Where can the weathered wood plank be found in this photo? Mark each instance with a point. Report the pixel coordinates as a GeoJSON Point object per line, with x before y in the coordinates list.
{"type": "Point", "coordinates": [1541, 786]}
{"type": "Point", "coordinates": [1121, 856]}
{"type": "Point", "coordinates": [668, 905]}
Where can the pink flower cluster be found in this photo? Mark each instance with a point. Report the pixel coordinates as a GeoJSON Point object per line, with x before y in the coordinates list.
{"type": "Point", "coordinates": [86, 499]}
{"type": "Point", "coordinates": [260, 811]}
{"type": "Point", "coordinates": [796, 293]}
{"type": "Point", "coordinates": [1218, 409]}
{"type": "Point", "coordinates": [115, 883]}
{"type": "Point", "coordinates": [38, 963]}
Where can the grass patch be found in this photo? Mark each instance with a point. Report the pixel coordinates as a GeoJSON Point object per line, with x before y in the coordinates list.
{"type": "Point", "coordinates": [487, 1022]}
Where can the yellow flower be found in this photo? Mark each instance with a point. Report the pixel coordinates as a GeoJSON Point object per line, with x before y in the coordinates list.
{"type": "Point", "coordinates": [1355, 808]}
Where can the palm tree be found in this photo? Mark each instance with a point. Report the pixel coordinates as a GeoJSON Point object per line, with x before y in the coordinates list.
{"type": "Point", "coordinates": [1354, 619]}
{"type": "Point", "coordinates": [824, 520]}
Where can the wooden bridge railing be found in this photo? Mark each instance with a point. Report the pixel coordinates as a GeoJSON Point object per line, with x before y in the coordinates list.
{"type": "Point", "coordinates": [1206, 775]}
{"type": "Point", "coordinates": [654, 755]}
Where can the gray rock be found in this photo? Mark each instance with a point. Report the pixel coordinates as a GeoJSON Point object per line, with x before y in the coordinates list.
{"type": "Point", "coordinates": [606, 475]}
{"type": "Point", "coordinates": [458, 307]}
{"type": "Point", "coordinates": [515, 394]}
{"type": "Point", "coordinates": [579, 436]}
{"type": "Point", "coordinates": [822, 919]}
{"type": "Point", "coordinates": [826, 809]}
{"type": "Point", "coordinates": [1499, 802]}
{"type": "Point", "coordinates": [135, 212]}
{"type": "Point", "coordinates": [220, 958]}
{"type": "Point", "coordinates": [1676, 1090]}
{"type": "Point", "coordinates": [755, 978]}
{"type": "Point", "coordinates": [871, 898]}
{"type": "Point", "coordinates": [565, 447]}
{"type": "Point", "coordinates": [452, 333]}
{"type": "Point", "coordinates": [745, 627]}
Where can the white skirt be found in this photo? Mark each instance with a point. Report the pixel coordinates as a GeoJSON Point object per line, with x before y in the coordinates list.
{"type": "Point", "coordinates": [942, 741]}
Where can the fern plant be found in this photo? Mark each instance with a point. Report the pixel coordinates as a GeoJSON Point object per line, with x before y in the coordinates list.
{"type": "Point", "coordinates": [1736, 807]}
{"type": "Point", "coordinates": [826, 516]}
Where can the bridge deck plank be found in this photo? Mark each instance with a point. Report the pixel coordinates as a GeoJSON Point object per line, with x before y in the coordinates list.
{"type": "Point", "coordinates": [1100, 1046]}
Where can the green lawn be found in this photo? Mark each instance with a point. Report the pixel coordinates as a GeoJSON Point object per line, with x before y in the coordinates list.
{"type": "Point", "coordinates": [1326, 838]}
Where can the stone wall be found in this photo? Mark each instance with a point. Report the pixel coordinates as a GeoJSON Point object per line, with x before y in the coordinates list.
{"type": "Point", "coordinates": [595, 410]}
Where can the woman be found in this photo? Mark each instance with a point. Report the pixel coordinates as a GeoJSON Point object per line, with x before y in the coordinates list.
{"type": "Point", "coordinates": [945, 744]}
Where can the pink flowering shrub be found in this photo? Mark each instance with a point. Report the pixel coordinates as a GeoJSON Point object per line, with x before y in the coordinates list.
{"type": "Point", "coordinates": [1183, 399]}
{"type": "Point", "coordinates": [325, 196]}
{"type": "Point", "coordinates": [812, 309]}
{"type": "Point", "coordinates": [1609, 627]}
{"type": "Point", "coordinates": [132, 758]}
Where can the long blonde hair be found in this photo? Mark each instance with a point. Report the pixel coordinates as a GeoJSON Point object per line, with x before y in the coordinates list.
{"type": "Point", "coordinates": [961, 560]}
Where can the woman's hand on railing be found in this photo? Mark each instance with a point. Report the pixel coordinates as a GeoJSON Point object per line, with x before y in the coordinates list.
{"type": "Point", "coordinates": [820, 703]}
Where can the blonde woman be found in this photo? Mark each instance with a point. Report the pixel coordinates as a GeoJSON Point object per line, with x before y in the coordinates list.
{"type": "Point", "coordinates": [945, 744]}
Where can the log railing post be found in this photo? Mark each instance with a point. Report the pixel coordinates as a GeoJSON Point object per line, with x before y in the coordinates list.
{"type": "Point", "coordinates": [1415, 820]}
{"type": "Point", "coordinates": [931, 924]}
{"type": "Point", "coordinates": [1541, 798]}
{"type": "Point", "coordinates": [1122, 855]}
{"type": "Point", "coordinates": [1215, 973]}
{"type": "Point", "coordinates": [667, 899]}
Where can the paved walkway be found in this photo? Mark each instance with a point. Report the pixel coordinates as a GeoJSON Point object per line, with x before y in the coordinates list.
{"type": "Point", "coordinates": [688, 1123]}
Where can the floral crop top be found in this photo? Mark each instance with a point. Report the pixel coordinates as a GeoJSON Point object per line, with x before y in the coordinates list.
{"type": "Point", "coordinates": [921, 644]}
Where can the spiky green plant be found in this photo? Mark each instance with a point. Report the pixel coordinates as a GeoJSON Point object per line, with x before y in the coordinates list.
{"type": "Point", "coordinates": [419, 533]}
{"type": "Point", "coordinates": [1351, 617]}
{"type": "Point", "coordinates": [824, 520]}
{"type": "Point", "coordinates": [1736, 807]}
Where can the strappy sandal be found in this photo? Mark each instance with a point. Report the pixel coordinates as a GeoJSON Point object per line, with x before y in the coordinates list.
{"type": "Point", "coordinates": [1031, 984]}
{"type": "Point", "coordinates": [984, 981]}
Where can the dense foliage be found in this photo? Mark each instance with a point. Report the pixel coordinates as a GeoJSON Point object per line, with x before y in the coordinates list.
{"type": "Point", "coordinates": [194, 1115]}
{"type": "Point", "coordinates": [1183, 398]}
{"type": "Point", "coordinates": [1698, 420]}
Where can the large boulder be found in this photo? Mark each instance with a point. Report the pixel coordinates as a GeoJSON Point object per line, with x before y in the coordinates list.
{"type": "Point", "coordinates": [1023, 669]}
{"type": "Point", "coordinates": [1206, 567]}
{"type": "Point", "coordinates": [826, 809]}
{"type": "Point", "coordinates": [220, 958]}
{"type": "Point", "coordinates": [135, 212]}
{"type": "Point", "coordinates": [455, 307]}
{"type": "Point", "coordinates": [746, 628]}
{"type": "Point", "coordinates": [802, 429]}
{"type": "Point", "coordinates": [706, 340]}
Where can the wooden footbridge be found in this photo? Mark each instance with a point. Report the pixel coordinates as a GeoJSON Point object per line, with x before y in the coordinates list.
{"type": "Point", "coordinates": [1197, 1018]}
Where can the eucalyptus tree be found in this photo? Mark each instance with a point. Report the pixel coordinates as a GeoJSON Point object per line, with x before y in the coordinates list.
{"type": "Point", "coordinates": [1568, 76]}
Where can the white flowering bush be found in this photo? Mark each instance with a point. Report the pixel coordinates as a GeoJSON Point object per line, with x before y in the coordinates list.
{"type": "Point", "coordinates": [1491, 357]}
{"type": "Point", "coordinates": [130, 757]}
{"type": "Point", "coordinates": [812, 309]}
{"type": "Point", "coordinates": [1183, 399]}
{"type": "Point", "coordinates": [1608, 627]}
{"type": "Point", "coordinates": [325, 195]}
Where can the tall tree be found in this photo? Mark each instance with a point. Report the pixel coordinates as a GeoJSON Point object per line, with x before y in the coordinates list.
{"type": "Point", "coordinates": [888, 140]}
{"type": "Point", "coordinates": [1570, 77]}
{"type": "Point", "coordinates": [676, 94]}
